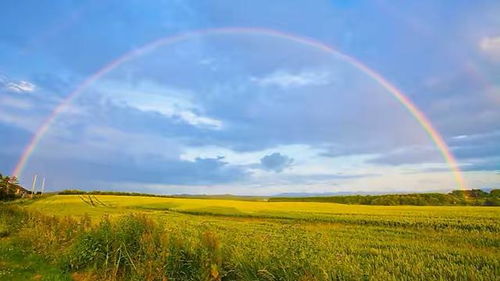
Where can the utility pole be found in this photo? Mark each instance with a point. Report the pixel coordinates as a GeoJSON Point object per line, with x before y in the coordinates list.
{"type": "Point", "coordinates": [33, 185]}
{"type": "Point", "coordinates": [43, 185]}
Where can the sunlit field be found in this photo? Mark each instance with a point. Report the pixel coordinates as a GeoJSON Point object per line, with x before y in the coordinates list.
{"type": "Point", "coordinates": [430, 216]}
{"type": "Point", "coordinates": [148, 238]}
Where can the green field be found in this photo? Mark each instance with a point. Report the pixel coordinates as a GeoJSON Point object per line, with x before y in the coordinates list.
{"type": "Point", "coordinates": [201, 239]}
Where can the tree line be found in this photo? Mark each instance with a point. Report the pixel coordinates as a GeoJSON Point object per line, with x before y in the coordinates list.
{"type": "Point", "coordinates": [473, 197]}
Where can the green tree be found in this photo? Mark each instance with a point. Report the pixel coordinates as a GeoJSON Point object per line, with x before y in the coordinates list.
{"type": "Point", "coordinates": [8, 187]}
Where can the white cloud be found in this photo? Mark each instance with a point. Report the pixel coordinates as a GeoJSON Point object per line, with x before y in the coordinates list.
{"type": "Point", "coordinates": [197, 120]}
{"type": "Point", "coordinates": [20, 87]}
{"type": "Point", "coordinates": [15, 86]}
{"type": "Point", "coordinates": [173, 108]}
{"type": "Point", "coordinates": [285, 79]}
{"type": "Point", "coordinates": [491, 47]}
{"type": "Point", "coordinates": [172, 103]}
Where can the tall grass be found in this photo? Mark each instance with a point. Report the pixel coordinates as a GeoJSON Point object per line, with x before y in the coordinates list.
{"type": "Point", "coordinates": [134, 247]}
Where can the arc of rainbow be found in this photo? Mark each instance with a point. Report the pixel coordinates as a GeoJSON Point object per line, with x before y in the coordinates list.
{"type": "Point", "coordinates": [393, 90]}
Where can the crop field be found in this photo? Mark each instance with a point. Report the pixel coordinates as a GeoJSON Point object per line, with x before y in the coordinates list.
{"type": "Point", "coordinates": [108, 237]}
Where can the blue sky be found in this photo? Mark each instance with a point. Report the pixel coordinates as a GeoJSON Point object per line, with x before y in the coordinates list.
{"type": "Point", "coordinates": [251, 113]}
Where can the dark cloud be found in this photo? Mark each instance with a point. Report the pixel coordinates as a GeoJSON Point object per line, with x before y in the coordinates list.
{"type": "Point", "coordinates": [88, 174]}
{"type": "Point", "coordinates": [474, 152]}
{"type": "Point", "coordinates": [488, 164]}
{"type": "Point", "coordinates": [276, 162]}
{"type": "Point", "coordinates": [491, 164]}
{"type": "Point", "coordinates": [476, 146]}
{"type": "Point", "coordinates": [479, 152]}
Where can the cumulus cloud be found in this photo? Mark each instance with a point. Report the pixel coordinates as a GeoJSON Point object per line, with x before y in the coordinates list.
{"type": "Point", "coordinates": [286, 79]}
{"type": "Point", "coordinates": [276, 162]}
{"type": "Point", "coordinates": [491, 47]}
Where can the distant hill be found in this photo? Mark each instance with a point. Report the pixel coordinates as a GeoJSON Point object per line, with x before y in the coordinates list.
{"type": "Point", "coordinates": [309, 194]}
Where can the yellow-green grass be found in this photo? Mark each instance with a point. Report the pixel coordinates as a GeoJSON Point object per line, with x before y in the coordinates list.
{"type": "Point", "coordinates": [463, 217]}
{"type": "Point", "coordinates": [319, 241]}
{"type": "Point", "coordinates": [73, 205]}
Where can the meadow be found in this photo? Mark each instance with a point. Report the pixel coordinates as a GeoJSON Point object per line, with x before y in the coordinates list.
{"type": "Point", "coordinates": [107, 237]}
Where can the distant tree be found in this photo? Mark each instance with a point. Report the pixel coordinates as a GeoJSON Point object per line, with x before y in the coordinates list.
{"type": "Point", "coordinates": [495, 193]}
{"type": "Point", "coordinates": [8, 187]}
{"type": "Point", "coordinates": [474, 197]}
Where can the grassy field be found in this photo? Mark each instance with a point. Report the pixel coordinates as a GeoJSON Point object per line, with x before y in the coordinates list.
{"type": "Point", "coordinates": [197, 239]}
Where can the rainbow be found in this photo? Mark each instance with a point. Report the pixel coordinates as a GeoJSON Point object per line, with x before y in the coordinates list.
{"type": "Point", "coordinates": [394, 91]}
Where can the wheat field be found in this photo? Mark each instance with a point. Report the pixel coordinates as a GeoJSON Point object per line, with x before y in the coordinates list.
{"type": "Point", "coordinates": [149, 238]}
